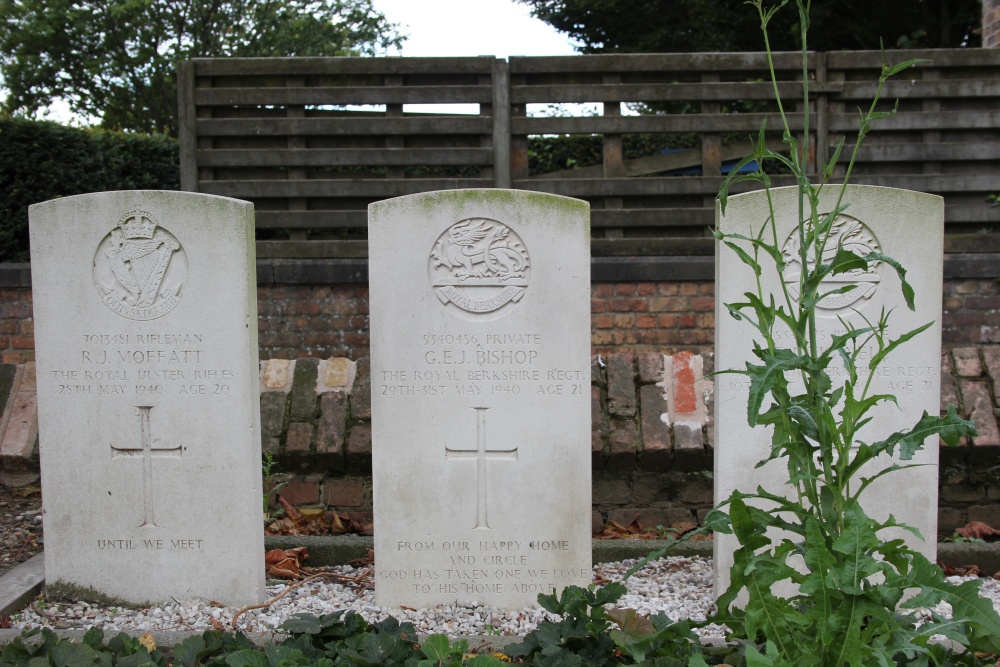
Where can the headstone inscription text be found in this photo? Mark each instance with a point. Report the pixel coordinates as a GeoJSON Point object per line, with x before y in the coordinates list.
{"type": "Point", "coordinates": [148, 402]}
{"type": "Point", "coordinates": [480, 396]}
{"type": "Point", "coordinates": [908, 226]}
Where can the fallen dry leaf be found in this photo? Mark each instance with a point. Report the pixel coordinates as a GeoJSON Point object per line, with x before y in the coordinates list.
{"type": "Point", "coordinates": [146, 639]}
{"type": "Point", "coordinates": [977, 530]}
{"type": "Point", "coordinates": [215, 624]}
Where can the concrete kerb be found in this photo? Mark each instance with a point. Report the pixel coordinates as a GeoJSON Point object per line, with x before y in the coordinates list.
{"type": "Point", "coordinates": [20, 584]}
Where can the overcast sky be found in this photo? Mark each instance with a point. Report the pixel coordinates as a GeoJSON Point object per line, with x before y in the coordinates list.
{"type": "Point", "coordinates": [472, 28]}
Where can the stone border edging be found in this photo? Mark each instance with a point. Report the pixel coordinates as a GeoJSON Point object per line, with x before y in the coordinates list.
{"type": "Point", "coordinates": [25, 581]}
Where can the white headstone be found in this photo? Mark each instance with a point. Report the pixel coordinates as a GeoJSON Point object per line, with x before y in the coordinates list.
{"type": "Point", "coordinates": [148, 407]}
{"type": "Point", "coordinates": [907, 226]}
{"type": "Point", "coordinates": [480, 315]}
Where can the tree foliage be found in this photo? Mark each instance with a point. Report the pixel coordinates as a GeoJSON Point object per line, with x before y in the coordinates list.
{"type": "Point", "coordinates": [674, 26]}
{"type": "Point", "coordinates": [116, 59]}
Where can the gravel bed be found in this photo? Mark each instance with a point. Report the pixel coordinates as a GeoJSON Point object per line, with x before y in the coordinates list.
{"type": "Point", "coordinates": [680, 587]}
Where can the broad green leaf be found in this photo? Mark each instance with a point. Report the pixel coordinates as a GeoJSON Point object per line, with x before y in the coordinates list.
{"type": "Point", "coordinates": [828, 169]}
{"type": "Point", "coordinates": [964, 599]}
{"type": "Point", "coordinates": [436, 647]}
{"type": "Point", "coordinates": [68, 654]}
{"type": "Point", "coordinates": [187, 653]}
{"type": "Point", "coordinates": [949, 428]}
{"type": "Point", "coordinates": [892, 70]}
{"type": "Point", "coordinates": [845, 261]}
{"type": "Point", "coordinates": [247, 658]}
{"type": "Point", "coordinates": [900, 271]}
{"type": "Point", "coordinates": [893, 344]}
{"type": "Point", "coordinates": [745, 257]}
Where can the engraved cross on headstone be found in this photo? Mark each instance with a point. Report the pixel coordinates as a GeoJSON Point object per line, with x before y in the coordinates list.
{"type": "Point", "coordinates": [482, 454]}
{"type": "Point", "coordinates": [147, 449]}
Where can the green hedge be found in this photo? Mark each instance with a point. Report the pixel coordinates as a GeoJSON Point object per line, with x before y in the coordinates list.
{"type": "Point", "coordinates": [41, 160]}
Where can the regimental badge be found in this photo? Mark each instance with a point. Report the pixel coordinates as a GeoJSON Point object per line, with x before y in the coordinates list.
{"type": "Point", "coordinates": [139, 268]}
{"type": "Point", "coordinates": [479, 265]}
{"type": "Point", "coordinates": [843, 290]}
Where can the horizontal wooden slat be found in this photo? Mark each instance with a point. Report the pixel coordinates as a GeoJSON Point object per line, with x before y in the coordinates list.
{"type": "Point", "coordinates": [656, 92]}
{"type": "Point", "coordinates": [347, 219]}
{"type": "Point", "coordinates": [343, 95]}
{"type": "Point", "coordinates": [338, 187]}
{"type": "Point", "coordinates": [683, 62]}
{"type": "Point", "coordinates": [638, 187]}
{"type": "Point", "coordinates": [651, 217]}
{"type": "Point", "coordinates": [318, 249]}
{"type": "Point", "coordinates": [227, 127]}
{"type": "Point", "coordinates": [976, 213]}
{"type": "Point", "coordinates": [650, 247]}
{"type": "Point", "coordinates": [921, 120]}
{"type": "Point", "coordinates": [933, 183]}
{"type": "Point", "coordinates": [914, 152]}
{"type": "Point", "coordinates": [934, 57]}
{"type": "Point", "coordinates": [744, 122]}
{"type": "Point", "coordinates": [330, 157]}
{"type": "Point", "coordinates": [972, 243]}
{"type": "Point", "coordinates": [920, 88]}
{"type": "Point", "coordinates": [638, 247]}
{"type": "Point", "coordinates": [340, 65]}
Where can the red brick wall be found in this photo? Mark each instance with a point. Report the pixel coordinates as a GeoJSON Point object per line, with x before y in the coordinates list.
{"type": "Point", "coordinates": [332, 321]}
{"type": "Point", "coordinates": [17, 327]}
{"type": "Point", "coordinates": [991, 24]}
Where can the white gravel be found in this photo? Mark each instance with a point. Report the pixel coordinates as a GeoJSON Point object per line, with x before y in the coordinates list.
{"type": "Point", "coordinates": [677, 586]}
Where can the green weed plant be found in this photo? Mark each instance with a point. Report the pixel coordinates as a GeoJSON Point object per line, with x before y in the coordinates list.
{"type": "Point", "coordinates": [857, 590]}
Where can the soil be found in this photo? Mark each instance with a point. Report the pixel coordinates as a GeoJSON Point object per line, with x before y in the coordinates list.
{"type": "Point", "coordinates": [20, 525]}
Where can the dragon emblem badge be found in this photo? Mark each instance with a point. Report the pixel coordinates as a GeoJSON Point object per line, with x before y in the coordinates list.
{"type": "Point", "coordinates": [857, 284]}
{"type": "Point", "coordinates": [479, 265]}
{"type": "Point", "coordinates": [139, 268]}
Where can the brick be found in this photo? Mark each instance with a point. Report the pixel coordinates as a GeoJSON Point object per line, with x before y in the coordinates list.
{"type": "Point", "coordinates": [697, 492]}
{"type": "Point", "coordinates": [655, 433]}
{"type": "Point", "coordinates": [645, 289]}
{"type": "Point", "coordinates": [949, 391]}
{"type": "Point", "coordinates": [300, 492]}
{"type": "Point", "coordinates": [300, 437]}
{"type": "Point", "coordinates": [624, 441]}
{"type": "Point", "coordinates": [270, 445]}
{"type": "Point", "coordinates": [361, 394]}
{"type": "Point", "coordinates": [21, 434]}
{"type": "Point", "coordinates": [8, 373]}
{"type": "Point", "coordinates": [332, 425]}
{"type": "Point", "coordinates": [967, 362]}
{"type": "Point", "coordinates": [602, 290]}
{"type": "Point", "coordinates": [359, 448]}
{"type": "Point", "coordinates": [303, 393]}
{"type": "Point", "coordinates": [336, 374]}
{"type": "Point", "coordinates": [621, 387]}
{"type": "Point", "coordinates": [689, 446]}
{"type": "Point", "coordinates": [991, 357]}
{"type": "Point", "coordinates": [650, 367]}
{"type": "Point", "coordinates": [949, 518]}
{"type": "Point", "coordinates": [596, 523]}
{"type": "Point", "coordinates": [978, 407]}
{"type": "Point", "coordinates": [988, 514]}
{"type": "Point", "coordinates": [610, 490]}
{"type": "Point", "coordinates": [273, 406]}
{"type": "Point", "coordinates": [344, 492]}
{"type": "Point", "coordinates": [625, 289]}
{"type": "Point", "coordinates": [276, 374]}
{"type": "Point", "coordinates": [960, 493]}
{"type": "Point", "coordinates": [597, 420]}
{"type": "Point", "coordinates": [598, 305]}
